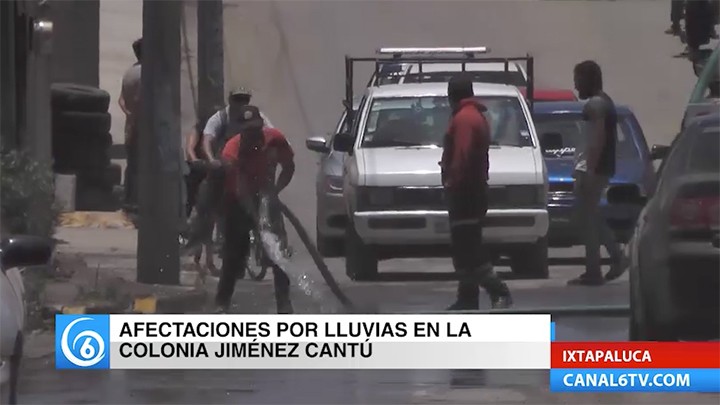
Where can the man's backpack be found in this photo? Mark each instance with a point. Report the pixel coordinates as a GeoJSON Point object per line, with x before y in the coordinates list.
{"type": "Point", "coordinates": [224, 119]}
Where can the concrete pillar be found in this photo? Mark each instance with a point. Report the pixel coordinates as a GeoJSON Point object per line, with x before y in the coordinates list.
{"type": "Point", "coordinates": [76, 41]}
{"type": "Point", "coordinates": [8, 106]}
{"type": "Point", "coordinates": [39, 131]}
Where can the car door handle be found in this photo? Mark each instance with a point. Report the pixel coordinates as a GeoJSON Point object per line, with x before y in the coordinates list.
{"type": "Point", "coordinates": [716, 241]}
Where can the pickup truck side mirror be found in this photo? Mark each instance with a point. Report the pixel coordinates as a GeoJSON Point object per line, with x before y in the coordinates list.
{"type": "Point", "coordinates": [25, 251]}
{"type": "Point", "coordinates": [344, 142]}
{"type": "Point", "coordinates": [625, 194]}
{"type": "Point", "coordinates": [317, 144]}
{"type": "Point", "coordinates": [659, 152]}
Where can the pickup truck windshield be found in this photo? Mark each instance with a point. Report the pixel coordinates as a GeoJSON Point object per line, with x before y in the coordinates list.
{"type": "Point", "coordinates": [421, 121]}
{"type": "Point", "coordinates": [513, 78]}
{"type": "Point", "coordinates": [570, 127]}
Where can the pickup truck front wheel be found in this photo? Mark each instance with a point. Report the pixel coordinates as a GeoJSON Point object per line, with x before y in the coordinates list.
{"type": "Point", "coordinates": [361, 263]}
{"type": "Point", "coordinates": [531, 261]}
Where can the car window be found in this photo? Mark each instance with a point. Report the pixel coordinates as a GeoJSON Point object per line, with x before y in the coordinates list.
{"type": "Point", "coordinates": [694, 152]}
{"type": "Point", "coordinates": [570, 127]}
{"type": "Point", "coordinates": [413, 121]}
{"type": "Point", "coordinates": [513, 78]}
{"type": "Point", "coordinates": [704, 152]}
{"type": "Point", "coordinates": [356, 121]}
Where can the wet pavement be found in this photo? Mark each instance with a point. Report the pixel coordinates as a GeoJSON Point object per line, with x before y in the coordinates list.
{"type": "Point", "coordinates": [422, 289]}
{"type": "Point", "coordinates": [43, 384]}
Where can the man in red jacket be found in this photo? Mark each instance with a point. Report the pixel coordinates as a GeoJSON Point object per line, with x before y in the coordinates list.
{"type": "Point", "coordinates": [251, 159]}
{"type": "Point", "coordinates": [465, 178]}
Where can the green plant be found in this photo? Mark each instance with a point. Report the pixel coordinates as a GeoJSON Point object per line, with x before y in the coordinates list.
{"type": "Point", "coordinates": [27, 195]}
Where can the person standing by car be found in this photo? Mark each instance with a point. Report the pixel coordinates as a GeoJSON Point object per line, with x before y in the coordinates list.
{"type": "Point", "coordinates": [129, 102]}
{"type": "Point", "coordinates": [250, 159]}
{"type": "Point", "coordinates": [464, 176]}
{"type": "Point", "coordinates": [594, 166]}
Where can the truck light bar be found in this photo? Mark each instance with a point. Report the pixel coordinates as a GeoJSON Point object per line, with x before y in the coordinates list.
{"type": "Point", "coordinates": [431, 51]}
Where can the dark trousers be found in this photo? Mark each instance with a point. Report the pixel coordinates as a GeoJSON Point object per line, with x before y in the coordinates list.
{"type": "Point", "coordinates": [677, 9]}
{"type": "Point", "coordinates": [131, 174]}
{"type": "Point", "coordinates": [236, 247]}
{"type": "Point", "coordinates": [193, 181]}
{"type": "Point", "coordinates": [470, 256]}
{"type": "Point", "coordinates": [699, 22]}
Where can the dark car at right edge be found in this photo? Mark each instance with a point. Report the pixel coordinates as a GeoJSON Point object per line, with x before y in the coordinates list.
{"type": "Point", "coordinates": [674, 253]}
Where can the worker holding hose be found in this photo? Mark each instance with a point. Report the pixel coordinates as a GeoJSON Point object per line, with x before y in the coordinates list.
{"type": "Point", "coordinates": [251, 158]}
{"type": "Point", "coordinates": [465, 166]}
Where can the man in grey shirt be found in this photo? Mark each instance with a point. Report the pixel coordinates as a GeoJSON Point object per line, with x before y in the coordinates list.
{"type": "Point", "coordinates": [594, 166]}
{"type": "Point", "coordinates": [222, 125]}
{"type": "Point", "coordinates": [130, 98]}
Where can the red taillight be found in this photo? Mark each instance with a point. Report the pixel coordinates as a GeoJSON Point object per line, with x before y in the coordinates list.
{"type": "Point", "coordinates": [696, 213]}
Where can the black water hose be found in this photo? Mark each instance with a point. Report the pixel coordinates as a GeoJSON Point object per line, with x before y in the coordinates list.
{"type": "Point", "coordinates": [312, 249]}
{"type": "Point", "coordinates": [318, 259]}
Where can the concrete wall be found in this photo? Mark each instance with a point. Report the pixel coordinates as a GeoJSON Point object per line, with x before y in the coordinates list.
{"type": "Point", "coordinates": [76, 41]}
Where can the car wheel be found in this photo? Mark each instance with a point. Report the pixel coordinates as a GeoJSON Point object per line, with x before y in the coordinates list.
{"type": "Point", "coordinates": [642, 326]}
{"type": "Point", "coordinates": [361, 263]}
{"type": "Point", "coordinates": [531, 261]}
{"type": "Point", "coordinates": [328, 246]}
{"type": "Point", "coordinates": [77, 97]}
{"type": "Point", "coordinates": [636, 329]}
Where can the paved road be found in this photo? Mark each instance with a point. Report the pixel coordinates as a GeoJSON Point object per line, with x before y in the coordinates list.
{"type": "Point", "coordinates": [291, 54]}
{"type": "Point", "coordinates": [42, 384]}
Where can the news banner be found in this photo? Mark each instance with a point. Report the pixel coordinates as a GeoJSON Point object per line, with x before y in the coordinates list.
{"type": "Point", "coordinates": [383, 342]}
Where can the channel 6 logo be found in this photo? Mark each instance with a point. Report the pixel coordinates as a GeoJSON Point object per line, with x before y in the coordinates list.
{"type": "Point", "coordinates": [81, 341]}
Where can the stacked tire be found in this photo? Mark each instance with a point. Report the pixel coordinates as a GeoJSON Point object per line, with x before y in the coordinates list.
{"type": "Point", "coordinates": [81, 144]}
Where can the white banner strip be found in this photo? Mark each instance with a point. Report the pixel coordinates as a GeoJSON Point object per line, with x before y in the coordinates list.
{"type": "Point", "coordinates": [317, 355]}
{"type": "Point", "coordinates": [447, 329]}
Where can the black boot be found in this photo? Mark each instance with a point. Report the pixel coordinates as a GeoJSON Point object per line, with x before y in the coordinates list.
{"type": "Point", "coordinates": [282, 291]}
{"type": "Point", "coordinates": [492, 284]}
{"type": "Point", "coordinates": [468, 295]}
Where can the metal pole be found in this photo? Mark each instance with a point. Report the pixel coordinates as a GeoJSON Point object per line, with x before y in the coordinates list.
{"type": "Point", "coordinates": [159, 153]}
{"type": "Point", "coordinates": [211, 73]}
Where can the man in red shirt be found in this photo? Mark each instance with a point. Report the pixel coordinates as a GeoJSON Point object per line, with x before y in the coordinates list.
{"type": "Point", "coordinates": [465, 178]}
{"type": "Point", "coordinates": [251, 159]}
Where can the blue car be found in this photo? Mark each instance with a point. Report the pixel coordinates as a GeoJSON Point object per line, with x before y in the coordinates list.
{"type": "Point", "coordinates": [559, 125]}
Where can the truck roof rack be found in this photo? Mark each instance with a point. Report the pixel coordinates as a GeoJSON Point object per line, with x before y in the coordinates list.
{"type": "Point", "coordinates": [388, 58]}
{"type": "Point", "coordinates": [470, 51]}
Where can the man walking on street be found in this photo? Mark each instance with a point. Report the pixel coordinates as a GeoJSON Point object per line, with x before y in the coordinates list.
{"type": "Point", "coordinates": [130, 96]}
{"type": "Point", "coordinates": [594, 166]}
{"type": "Point", "coordinates": [251, 158]}
{"type": "Point", "coordinates": [465, 166]}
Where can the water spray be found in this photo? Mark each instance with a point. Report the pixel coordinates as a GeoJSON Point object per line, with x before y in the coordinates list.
{"type": "Point", "coordinates": [322, 267]}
